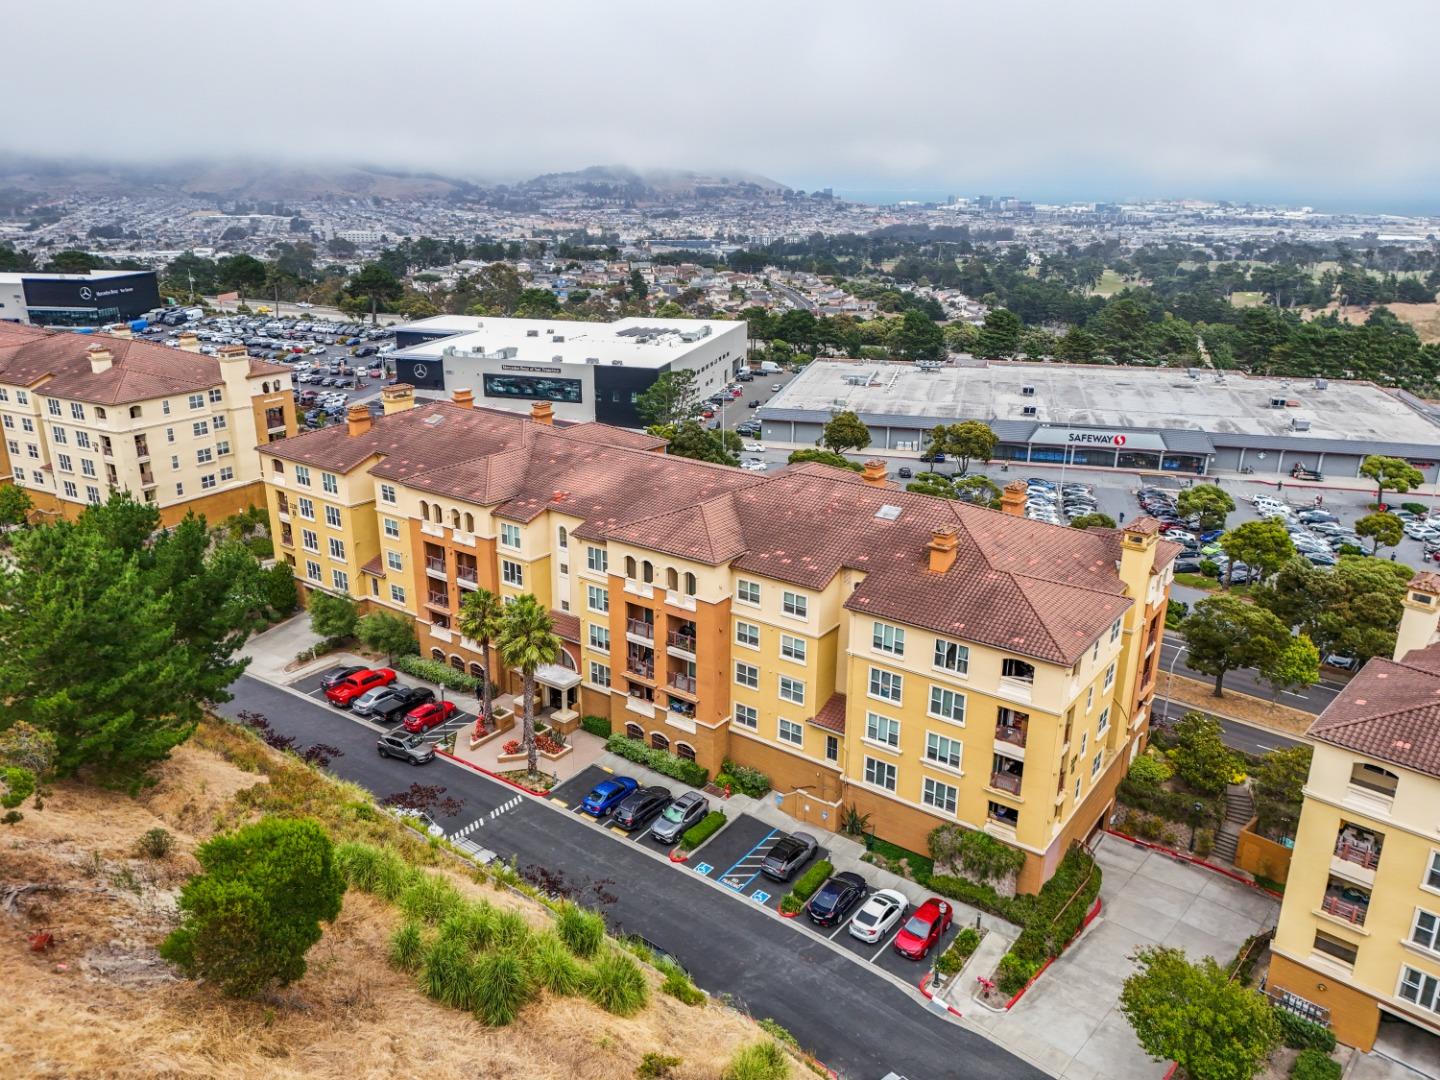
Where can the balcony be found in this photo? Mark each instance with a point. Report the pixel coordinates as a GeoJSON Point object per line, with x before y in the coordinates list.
{"type": "Point", "coordinates": [640, 588]}
{"type": "Point", "coordinates": [1356, 855]}
{"type": "Point", "coordinates": [435, 567]}
{"type": "Point", "coordinates": [274, 419]}
{"type": "Point", "coordinates": [466, 577]}
{"type": "Point", "coordinates": [681, 643]}
{"type": "Point", "coordinates": [147, 478]}
{"type": "Point", "coordinates": [1346, 902]}
{"type": "Point", "coordinates": [1361, 855]}
{"type": "Point", "coordinates": [640, 668]}
{"type": "Point", "coordinates": [683, 684]}
{"type": "Point", "coordinates": [429, 528]}
{"type": "Point", "coordinates": [439, 600]}
{"type": "Point", "coordinates": [640, 628]}
{"type": "Point", "coordinates": [1009, 782]}
{"type": "Point", "coordinates": [287, 538]}
{"type": "Point", "coordinates": [1015, 688]}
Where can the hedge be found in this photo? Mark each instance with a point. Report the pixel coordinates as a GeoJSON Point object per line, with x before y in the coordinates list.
{"type": "Point", "coordinates": [702, 830]}
{"type": "Point", "coordinates": [1176, 806]}
{"type": "Point", "coordinates": [662, 761]}
{"type": "Point", "coordinates": [803, 889]}
{"type": "Point", "coordinates": [1302, 1034]}
{"type": "Point", "coordinates": [436, 672]}
{"type": "Point", "coordinates": [596, 725]}
{"type": "Point", "coordinates": [1314, 1065]}
{"type": "Point", "coordinates": [743, 779]}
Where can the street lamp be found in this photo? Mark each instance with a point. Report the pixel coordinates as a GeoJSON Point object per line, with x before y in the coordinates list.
{"type": "Point", "coordinates": [1194, 820]}
{"type": "Point", "coordinates": [1170, 673]}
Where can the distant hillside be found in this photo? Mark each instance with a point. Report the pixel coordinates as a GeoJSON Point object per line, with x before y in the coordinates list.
{"type": "Point", "coordinates": [618, 181]}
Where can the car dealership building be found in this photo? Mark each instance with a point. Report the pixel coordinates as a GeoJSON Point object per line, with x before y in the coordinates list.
{"type": "Point", "coordinates": [1195, 421]}
{"type": "Point", "coordinates": [93, 299]}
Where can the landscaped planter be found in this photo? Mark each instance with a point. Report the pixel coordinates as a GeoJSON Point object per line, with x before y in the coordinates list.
{"type": "Point", "coordinates": [520, 755]}
{"type": "Point", "coordinates": [567, 726]}
{"type": "Point", "coordinates": [503, 720]}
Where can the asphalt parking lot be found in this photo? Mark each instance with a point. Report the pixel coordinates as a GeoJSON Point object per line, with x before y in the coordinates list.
{"type": "Point", "coordinates": [310, 686]}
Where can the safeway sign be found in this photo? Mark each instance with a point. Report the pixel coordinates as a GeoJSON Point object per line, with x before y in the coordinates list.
{"type": "Point", "coordinates": [1097, 437]}
{"type": "Point", "coordinates": [1091, 438]}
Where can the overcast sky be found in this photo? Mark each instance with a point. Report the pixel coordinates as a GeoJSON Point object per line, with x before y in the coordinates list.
{"type": "Point", "coordinates": [1307, 100]}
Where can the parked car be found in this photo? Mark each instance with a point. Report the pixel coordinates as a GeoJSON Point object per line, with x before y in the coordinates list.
{"type": "Point", "coordinates": [937, 459]}
{"type": "Point", "coordinates": [882, 911]}
{"type": "Point", "coordinates": [836, 898]}
{"type": "Point", "coordinates": [344, 693]}
{"type": "Point", "coordinates": [1344, 663]}
{"type": "Point", "coordinates": [904, 472]}
{"type": "Point", "coordinates": [338, 674]}
{"type": "Point", "coordinates": [430, 715]}
{"type": "Point", "coordinates": [607, 795]}
{"type": "Point", "coordinates": [406, 747]}
{"type": "Point", "coordinates": [388, 702]}
{"type": "Point", "coordinates": [687, 810]}
{"type": "Point", "coordinates": [788, 854]}
{"type": "Point", "coordinates": [753, 447]}
{"type": "Point", "coordinates": [924, 928]}
{"type": "Point", "coordinates": [753, 465]}
{"type": "Point", "coordinates": [1188, 563]}
{"type": "Point", "coordinates": [641, 807]}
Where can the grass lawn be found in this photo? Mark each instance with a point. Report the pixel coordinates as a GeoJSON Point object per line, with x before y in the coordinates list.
{"type": "Point", "coordinates": [1209, 584]}
{"type": "Point", "coordinates": [1247, 299]}
{"type": "Point", "coordinates": [921, 866]}
{"type": "Point", "coordinates": [1110, 283]}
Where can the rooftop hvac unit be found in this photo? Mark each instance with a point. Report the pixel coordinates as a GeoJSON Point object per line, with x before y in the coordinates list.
{"type": "Point", "coordinates": [592, 359]}
{"type": "Point", "coordinates": [448, 350]}
{"type": "Point", "coordinates": [1029, 410]}
{"type": "Point", "coordinates": [532, 333]}
{"type": "Point", "coordinates": [1277, 403]}
{"type": "Point", "coordinates": [1321, 384]}
{"type": "Point", "coordinates": [558, 339]}
{"type": "Point", "coordinates": [557, 359]}
{"type": "Point", "coordinates": [1299, 424]}
{"type": "Point", "coordinates": [1027, 391]}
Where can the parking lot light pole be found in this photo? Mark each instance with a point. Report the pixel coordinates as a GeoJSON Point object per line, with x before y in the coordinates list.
{"type": "Point", "coordinates": [1170, 675]}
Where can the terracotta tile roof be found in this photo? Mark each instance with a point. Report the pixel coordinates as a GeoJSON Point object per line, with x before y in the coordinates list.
{"type": "Point", "coordinates": [1145, 525]}
{"type": "Point", "coordinates": [1425, 581]}
{"type": "Point", "coordinates": [831, 716]}
{"type": "Point", "coordinates": [567, 626]}
{"type": "Point", "coordinates": [375, 568]}
{"type": "Point", "coordinates": [140, 370]}
{"type": "Point", "coordinates": [1389, 711]}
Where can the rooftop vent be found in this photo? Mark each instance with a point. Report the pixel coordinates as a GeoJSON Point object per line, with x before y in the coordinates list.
{"type": "Point", "coordinates": [1277, 403]}
{"type": "Point", "coordinates": [532, 333]}
{"type": "Point", "coordinates": [435, 420]}
{"type": "Point", "coordinates": [1027, 391]}
{"type": "Point", "coordinates": [1321, 384]}
{"type": "Point", "coordinates": [1299, 424]}
{"type": "Point", "coordinates": [1029, 410]}
{"type": "Point", "coordinates": [888, 512]}
{"type": "Point", "coordinates": [558, 339]}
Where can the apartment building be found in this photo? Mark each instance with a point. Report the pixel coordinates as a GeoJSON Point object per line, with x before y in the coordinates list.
{"type": "Point", "coordinates": [83, 415]}
{"type": "Point", "coordinates": [1358, 940]}
{"type": "Point", "coordinates": [923, 660]}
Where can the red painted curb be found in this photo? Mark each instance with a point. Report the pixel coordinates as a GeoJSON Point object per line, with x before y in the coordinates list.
{"type": "Point", "coordinates": [924, 985]}
{"type": "Point", "coordinates": [683, 856]}
{"type": "Point", "coordinates": [1174, 1067]}
{"type": "Point", "coordinates": [789, 914]}
{"type": "Point", "coordinates": [1195, 860]}
{"type": "Point", "coordinates": [492, 775]}
{"type": "Point", "coordinates": [1090, 917]}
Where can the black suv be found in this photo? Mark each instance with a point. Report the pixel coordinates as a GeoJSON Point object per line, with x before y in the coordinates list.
{"type": "Point", "coordinates": [396, 701]}
{"type": "Point", "coordinates": [407, 747]}
{"type": "Point", "coordinates": [788, 855]}
{"type": "Point", "coordinates": [639, 808]}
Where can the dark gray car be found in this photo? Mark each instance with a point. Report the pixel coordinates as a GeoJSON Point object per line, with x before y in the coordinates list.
{"type": "Point", "coordinates": [407, 747]}
{"type": "Point", "coordinates": [788, 855]}
{"type": "Point", "coordinates": [390, 702]}
{"type": "Point", "coordinates": [684, 812]}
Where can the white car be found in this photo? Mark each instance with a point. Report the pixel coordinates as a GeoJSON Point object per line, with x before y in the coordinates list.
{"type": "Point", "coordinates": [753, 447]}
{"type": "Point", "coordinates": [878, 915]}
{"type": "Point", "coordinates": [303, 304]}
{"type": "Point", "coordinates": [753, 466]}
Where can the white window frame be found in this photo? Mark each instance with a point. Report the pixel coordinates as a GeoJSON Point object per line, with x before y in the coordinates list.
{"type": "Point", "coordinates": [880, 677]}
{"type": "Point", "coordinates": [387, 493]}
{"type": "Point", "coordinates": [1114, 631]}
{"type": "Point", "coordinates": [793, 648]}
{"type": "Point", "coordinates": [747, 675]}
{"type": "Point", "coordinates": [313, 572]}
{"type": "Point", "coordinates": [597, 560]}
{"type": "Point", "coordinates": [510, 535]}
{"type": "Point", "coordinates": [788, 731]}
{"type": "Point", "coordinates": [599, 674]}
{"type": "Point", "coordinates": [933, 739]}
{"type": "Point", "coordinates": [1098, 761]}
{"type": "Point", "coordinates": [791, 690]}
{"type": "Point", "coordinates": [1430, 882]}
{"type": "Point", "coordinates": [1425, 981]}
{"type": "Point", "coordinates": [337, 548]}
{"type": "Point", "coordinates": [599, 637]}
{"type": "Point", "coordinates": [887, 639]}
{"type": "Point", "coordinates": [341, 580]}
{"type": "Point", "coordinates": [875, 769]}
{"type": "Point", "coordinates": [597, 599]}
{"type": "Point", "coordinates": [794, 605]}
{"type": "Point", "coordinates": [933, 708]}
{"type": "Point", "coordinates": [395, 561]}
{"type": "Point", "coordinates": [397, 594]}
{"type": "Point", "coordinates": [936, 793]}
{"type": "Point", "coordinates": [332, 516]}
{"type": "Point", "coordinates": [1109, 677]}
{"type": "Point", "coordinates": [747, 716]}
{"type": "Point", "coordinates": [744, 590]}
{"type": "Point", "coordinates": [330, 483]}
{"type": "Point", "coordinates": [881, 730]}
{"type": "Point", "coordinates": [747, 635]}
{"type": "Point", "coordinates": [392, 528]}
{"type": "Point", "coordinates": [1103, 722]}
{"type": "Point", "coordinates": [1434, 944]}
{"type": "Point", "coordinates": [302, 475]}
{"type": "Point", "coordinates": [512, 573]}
{"type": "Point", "coordinates": [962, 657]}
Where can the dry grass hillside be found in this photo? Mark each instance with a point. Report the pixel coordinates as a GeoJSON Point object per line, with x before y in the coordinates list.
{"type": "Point", "coordinates": [100, 1003]}
{"type": "Point", "coordinates": [1423, 318]}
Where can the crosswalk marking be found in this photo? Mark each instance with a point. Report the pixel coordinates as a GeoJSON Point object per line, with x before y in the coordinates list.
{"type": "Point", "coordinates": [466, 830]}
{"type": "Point", "coordinates": [510, 805]}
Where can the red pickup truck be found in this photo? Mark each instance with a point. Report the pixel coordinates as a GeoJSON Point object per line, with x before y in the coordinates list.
{"type": "Point", "coordinates": [344, 693]}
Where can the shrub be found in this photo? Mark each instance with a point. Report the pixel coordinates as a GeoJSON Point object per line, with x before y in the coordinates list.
{"type": "Point", "coordinates": [407, 947]}
{"type": "Point", "coordinates": [617, 984]}
{"type": "Point", "coordinates": [976, 894]}
{"type": "Point", "coordinates": [778, 1032]}
{"type": "Point", "coordinates": [702, 830]}
{"type": "Point", "coordinates": [553, 966]}
{"type": "Point", "coordinates": [1013, 972]}
{"type": "Point", "coordinates": [446, 974]}
{"type": "Point", "coordinates": [333, 616]}
{"type": "Point", "coordinates": [1150, 769]}
{"type": "Point", "coordinates": [261, 547]}
{"type": "Point", "coordinates": [500, 987]}
{"type": "Point", "coordinates": [662, 761]}
{"type": "Point", "coordinates": [436, 672]}
{"type": "Point", "coordinates": [1177, 806]}
{"type": "Point", "coordinates": [950, 962]}
{"type": "Point", "coordinates": [596, 725]}
{"type": "Point", "coordinates": [583, 932]}
{"type": "Point", "coordinates": [1210, 568]}
{"type": "Point", "coordinates": [656, 1066]}
{"type": "Point", "coordinates": [743, 779]}
{"type": "Point", "coordinates": [430, 899]}
{"type": "Point", "coordinates": [1314, 1065]}
{"type": "Point", "coordinates": [981, 856]}
{"type": "Point", "coordinates": [157, 843]}
{"type": "Point", "coordinates": [966, 942]}
{"type": "Point", "coordinates": [758, 1061]}
{"type": "Point", "coordinates": [678, 985]}
{"type": "Point", "coordinates": [1302, 1034]}
{"type": "Point", "coordinates": [1418, 509]}
{"type": "Point", "coordinates": [812, 879]}
{"type": "Point", "coordinates": [1201, 758]}
{"type": "Point", "coordinates": [472, 924]}
{"type": "Point", "coordinates": [278, 586]}
{"type": "Point", "coordinates": [511, 929]}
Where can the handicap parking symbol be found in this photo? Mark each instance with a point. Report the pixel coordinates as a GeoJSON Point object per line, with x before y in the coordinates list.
{"type": "Point", "coordinates": [703, 868]}
{"type": "Point", "coordinates": [760, 897]}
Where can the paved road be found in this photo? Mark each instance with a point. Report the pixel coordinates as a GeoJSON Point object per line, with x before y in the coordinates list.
{"type": "Point", "coordinates": [849, 1015]}
{"type": "Point", "coordinates": [1236, 735]}
{"type": "Point", "coordinates": [1311, 699]}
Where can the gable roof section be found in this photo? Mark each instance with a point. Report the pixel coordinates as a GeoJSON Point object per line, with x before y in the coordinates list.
{"type": "Point", "coordinates": [1390, 711]}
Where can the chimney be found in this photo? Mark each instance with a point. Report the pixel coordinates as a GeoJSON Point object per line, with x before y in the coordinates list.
{"type": "Point", "coordinates": [1012, 502]}
{"type": "Point", "coordinates": [120, 330]}
{"type": "Point", "coordinates": [101, 358]}
{"type": "Point", "coordinates": [357, 420]}
{"type": "Point", "coordinates": [875, 474]}
{"type": "Point", "coordinates": [942, 547]}
{"type": "Point", "coordinates": [190, 343]}
{"type": "Point", "coordinates": [463, 398]}
{"type": "Point", "coordinates": [1419, 614]}
{"type": "Point", "coordinates": [225, 353]}
{"type": "Point", "coordinates": [397, 398]}
{"type": "Point", "coordinates": [542, 413]}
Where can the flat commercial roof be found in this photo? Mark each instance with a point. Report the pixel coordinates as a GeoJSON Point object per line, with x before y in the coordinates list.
{"type": "Point", "coordinates": [633, 342]}
{"type": "Point", "coordinates": [15, 277]}
{"type": "Point", "coordinates": [1115, 398]}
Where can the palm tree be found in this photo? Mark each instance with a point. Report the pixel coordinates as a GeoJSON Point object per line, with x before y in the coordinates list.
{"type": "Point", "coordinates": [479, 620]}
{"type": "Point", "coordinates": [526, 640]}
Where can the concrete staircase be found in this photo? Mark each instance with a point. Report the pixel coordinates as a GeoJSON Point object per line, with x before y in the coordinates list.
{"type": "Point", "coordinates": [1239, 809]}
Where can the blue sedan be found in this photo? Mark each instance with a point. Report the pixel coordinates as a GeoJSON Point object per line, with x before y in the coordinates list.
{"type": "Point", "coordinates": [607, 795]}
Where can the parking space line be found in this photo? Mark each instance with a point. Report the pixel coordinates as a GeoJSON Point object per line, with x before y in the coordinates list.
{"type": "Point", "coordinates": [842, 926]}
{"type": "Point", "coordinates": [618, 831]}
{"type": "Point", "coordinates": [560, 802]}
{"type": "Point", "coordinates": [733, 880]}
{"type": "Point", "coordinates": [888, 942]}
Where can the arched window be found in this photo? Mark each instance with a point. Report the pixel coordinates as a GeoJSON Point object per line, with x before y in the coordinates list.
{"type": "Point", "coordinates": [476, 671]}
{"type": "Point", "coordinates": [672, 579]}
{"type": "Point", "coordinates": [634, 731]}
{"type": "Point", "coordinates": [455, 519]}
{"type": "Point", "coordinates": [438, 655]}
{"type": "Point", "coordinates": [424, 510]}
{"type": "Point", "coordinates": [1374, 778]}
{"type": "Point", "coordinates": [685, 750]}
{"type": "Point", "coordinates": [469, 522]}
{"type": "Point", "coordinates": [564, 537]}
{"type": "Point", "coordinates": [658, 741]}
{"type": "Point", "coordinates": [458, 663]}
{"type": "Point", "coordinates": [630, 567]}
{"type": "Point", "coordinates": [438, 514]}
{"type": "Point", "coordinates": [647, 572]}
{"type": "Point", "coordinates": [689, 583]}
{"type": "Point", "coordinates": [1020, 670]}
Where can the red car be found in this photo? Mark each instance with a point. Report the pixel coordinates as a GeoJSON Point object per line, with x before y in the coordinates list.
{"type": "Point", "coordinates": [425, 717]}
{"type": "Point", "coordinates": [923, 929]}
{"type": "Point", "coordinates": [344, 692]}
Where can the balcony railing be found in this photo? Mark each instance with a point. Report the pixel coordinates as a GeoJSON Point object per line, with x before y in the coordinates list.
{"type": "Point", "coordinates": [684, 683]}
{"type": "Point", "coordinates": [439, 599]}
{"type": "Point", "coordinates": [640, 668]}
{"type": "Point", "coordinates": [1348, 910]}
{"type": "Point", "coordinates": [435, 566]}
{"type": "Point", "coordinates": [1009, 733]}
{"type": "Point", "coordinates": [640, 628]}
{"type": "Point", "coordinates": [1360, 855]}
{"type": "Point", "coordinates": [683, 642]}
{"type": "Point", "coordinates": [466, 575]}
{"type": "Point", "coordinates": [1005, 781]}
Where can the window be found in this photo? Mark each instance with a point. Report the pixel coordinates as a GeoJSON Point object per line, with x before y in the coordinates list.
{"type": "Point", "coordinates": [309, 540]}
{"type": "Point", "coordinates": [394, 560]}
{"type": "Point", "coordinates": [312, 569]}
{"type": "Point", "coordinates": [888, 639]}
{"type": "Point", "coordinates": [170, 434]}
{"type": "Point", "coordinates": [53, 406]}
{"type": "Point", "coordinates": [58, 434]}
{"type": "Point", "coordinates": [175, 461]}
{"type": "Point", "coordinates": [33, 450]}
{"type": "Point", "coordinates": [204, 455]}
{"type": "Point", "coordinates": [746, 716]}
{"type": "Point", "coordinates": [71, 491]}
{"type": "Point", "coordinates": [747, 675]}
{"type": "Point", "coordinates": [218, 422]}
{"type": "Point", "coordinates": [947, 704]}
{"type": "Point", "coordinates": [226, 474]}
{"type": "Point", "coordinates": [1426, 930]}
{"type": "Point", "coordinates": [179, 489]}
{"type": "Point", "coordinates": [330, 482]}
{"type": "Point", "coordinates": [792, 732]}
{"type": "Point", "coordinates": [509, 535]}
{"type": "Point", "coordinates": [1336, 947]}
{"type": "Point", "coordinates": [397, 594]}
{"type": "Point", "coordinates": [1103, 722]}
{"type": "Point", "coordinates": [747, 592]}
{"type": "Point", "coordinates": [690, 584]}
{"type": "Point", "coordinates": [216, 395]}
{"type": "Point", "coordinates": [387, 493]}
{"type": "Point", "coordinates": [562, 538]}
{"type": "Point", "coordinates": [9, 421]}
{"type": "Point", "coordinates": [197, 401]}
{"type": "Point", "coordinates": [880, 773]}
{"type": "Point", "coordinates": [207, 481]}
{"type": "Point", "coordinates": [1090, 699]}
{"type": "Point", "coordinates": [599, 637]}
{"type": "Point", "coordinates": [597, 559]}
{"type": "Point", "coordinates": [199, 428]}
{"type": "Point", "coordinates": [747, 634]}
{"type": "Point", "coordinates": [87, 467]}
{"type": "Point", "coordinates": [332, 516]}
{"type": "Point", "coordinates": [940, 796]}
{"type": "Point", "coordinates": [337, 548]}
{"type": "Point", "coordinates": [12, 446]}
{"type": "Point", "coordinates": [599, 674]}
{"type": "Point", "coordinates": [886, 685]}
{"type": "Point", "coordinates": [1109, 677]}
{"type": "Point", "coordinates": [882, 729]}
{"type": "Point", "coordinates": [26, 424]}
{"type": "Point", "coordinates": [792, 648]}
{"type": "Point", "coordinates": [832, 748]}
{"type": "Point", "coordinates": [302, 475]}
{"type": "Point", "coordinates": [1114, 631]}
{"type": "Point", "coordinates": [1422, 989]}
{"type": "Point", "coordinates": [64, 462]}
{"type": "Point", "coordinates": [92, 493]}
{"type": "Point", "coordinates": [305, 508]}
{"type": "Point", "coordinates": [1084, 742]}
{"type": "Point", "coordinates": [4, 394]}
{"type": "Point", "coordinates": [1374, 778]}
{"type": "Point", "coordinates": [1095, 765]}
{"type": "Point", "coordinates": [222, 448]}
{"type": "Point", "coordinates": [792, 690]}
{"type": "Point", "coordinates": [952, 656]}
{"type": "Point", "coordinates": [597, 599]}
{"type": "Point", "coordinates": [392, 528]}
{"type": "Point", "coordinates": [512, 573]}
{"type": "Point", "coordinates": [341, 580]}
{"type": "Point", "coordinates": [22, 398]}
{"type": "Point", "coordinates": [942, 750]}
{"type": "Point", "coordinates": [1432, 876]}
{"type": "Point", "coordinates": [1020, 670]}
{"type": "Point", "coordinates": [794, 604]}
{"type": "Point", "coordinates": [78, 411]}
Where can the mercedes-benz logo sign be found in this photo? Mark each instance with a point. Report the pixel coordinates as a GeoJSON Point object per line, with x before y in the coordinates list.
{"type": "Point", "coordinates": [1119, 440]}
{"type": "Point", "coordinates": [85, 293]}
{"type": "Point", "coordinates": [420, 371]}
